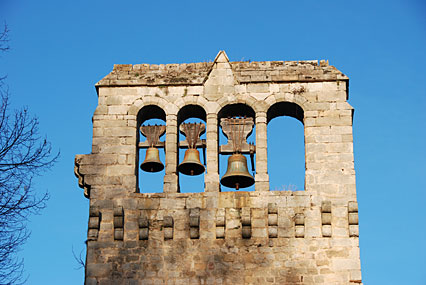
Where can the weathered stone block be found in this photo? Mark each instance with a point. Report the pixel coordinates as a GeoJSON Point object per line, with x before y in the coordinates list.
{"type": "Point", "coordinates": [352, 207]}
{"type": "Point", "coordinates": [272, 219]}
{"type": "Point", "coordinates": [92, 234]}
{"type": "Point", "coordinates": [246, 232]}
{"type": "Point", "coordinates": [259, 223]}
{"type": "Point", "coordinates": [194, 233]}
{"type": "Point", "coordinates": [299, 219]}
{"type": "Point", "coordinates": [168, 222]}
{"type": "Point", "coordinates": [259, 233]}
{"type": "Point", "coordinates": [143, 233]}
{"type": "Point", "coordinates": [220, 221]}
{"type": "Point", "coordinates": [118, 234]}
{"type": "Point", "coordinates": [326, 207]}
{"type": "Point", "coordinates": [353, 230]}
{"type": "Point", "coordinates": [326, 231]}
{"type": "Point", "coordinates": [272, 208]}
{"type": "Point", "coordinates": [326, 218]}
{"type": "Point", "coordinates": [220, 232]}
{"type": "Point", "coordinates": [93, 222]}
{"type": "Point", "coordinates": [299, 231]}
{"type": "Point", "coordinates": [246, 220]}
{"type": "Point", "coordinates": [273, 232]}
{"type": "Point", "coordinates": [168, 233]}
{"type": "Point", "coordinates": [353, 218]}
{"type": "Point", "coordinates": [98, 270]}
{"type": "Point", "coordinates": [143, 222]}
{"type": "Point", "coordinates": [118, 222]}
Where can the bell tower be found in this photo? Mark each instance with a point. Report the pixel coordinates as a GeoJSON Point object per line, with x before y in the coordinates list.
{"type": "Point", "coordinates": [216, 236]}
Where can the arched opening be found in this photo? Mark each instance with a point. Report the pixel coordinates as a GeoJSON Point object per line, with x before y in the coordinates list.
{"type": "Point", "coordinates": [286, 147]}
{"type": "Point", "coordinates": [191, 114]}
{"type": "Point", "coordinates": [238, 111]}
{"type": "Point", "coordinates": [150, 181]}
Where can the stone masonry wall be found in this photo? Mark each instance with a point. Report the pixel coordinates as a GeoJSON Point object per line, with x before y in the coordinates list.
{"type": "Point", "coordinates": [214, 237]}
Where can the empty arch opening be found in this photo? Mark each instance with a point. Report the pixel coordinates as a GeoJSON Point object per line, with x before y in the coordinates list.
{"type": "Point", "coordinates": [286, 147]}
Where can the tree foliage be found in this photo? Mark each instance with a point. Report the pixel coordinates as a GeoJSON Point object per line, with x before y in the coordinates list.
{"type": "Point", "coordinates": [23, 156]}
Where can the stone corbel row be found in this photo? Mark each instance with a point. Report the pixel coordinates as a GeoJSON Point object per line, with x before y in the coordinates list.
{"type": "Point", "coordinates": [326, 219]}
{"type": "Point", "coordinates": [244, 217]}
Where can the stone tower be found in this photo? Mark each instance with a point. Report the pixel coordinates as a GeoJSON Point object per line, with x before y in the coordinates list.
{"type": "Point", "coordinates": [214, 237]}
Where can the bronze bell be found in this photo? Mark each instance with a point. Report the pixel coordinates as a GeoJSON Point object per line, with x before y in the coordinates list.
{"type": "Point", "coordinates": [152, 161]}
{"type": "Point", "coordinates": [237, 175]}
{"type": "Point", "coordinates": [191, 164]}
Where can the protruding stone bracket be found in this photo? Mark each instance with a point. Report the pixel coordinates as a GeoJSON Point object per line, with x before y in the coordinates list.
{"type": "Point", "coordinates": [81, 159]}
{"type": "Point", "coordinates": [194, 223]}
{"type": "Point", "coordinates": [94, 224]}
{"type": "Point", "coordinates": [118, 223]}
{"type": "Point", "coordinates": [353, 219]}
{"type": "Point", "coordinates": [168, 224]}
{"type": "Point", "coordinates": [237, 130]}
{"type": "Point", "coordinates": [299, 225]}
{"type": "Point", "coordinates": [220, 223]}
{"type": "Point", "coordinates": [272, 220]}
{"type": "Point", "coordinates": [246, 222]}
{"type": "Point", "coordinates": [143, 228]}
{"type": "Point", "coordinates": [152, 134]}
{"type": "Point", "coordinates": [326, 219]}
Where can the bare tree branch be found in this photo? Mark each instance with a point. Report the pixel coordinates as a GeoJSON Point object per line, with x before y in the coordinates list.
{"type": "Point", "coordinates": [79, 259]}
{"type": "Point", "coordinates": [23, 156]}
{"type": "Point", "coordinates": [4, 39]}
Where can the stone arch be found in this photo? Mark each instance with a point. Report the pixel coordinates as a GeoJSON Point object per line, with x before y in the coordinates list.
{"type": "Point", "coordinates": [297, 99]}
{"type": "Point", "coordinates": [239, 99]}
{"type": "Point", "coordinates": [236, 109]}
{"type": "Point", "coordinates": [150, 111]}
{"type": "Point", "coordinates": [285, 108]}
{"type": "Point", "coordinates": [192, 100]}
{"type": "Point", "coordinates": [138, 104]}
{"type": "Point", "coordinates": [191, 111]}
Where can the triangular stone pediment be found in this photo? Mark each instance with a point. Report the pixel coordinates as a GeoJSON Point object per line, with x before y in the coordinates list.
{"type": "Point", "coordinates": [220, 80]}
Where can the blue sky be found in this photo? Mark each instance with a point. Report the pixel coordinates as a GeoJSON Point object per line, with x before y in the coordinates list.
{"type": "Point", "coordinates": [60, 49]}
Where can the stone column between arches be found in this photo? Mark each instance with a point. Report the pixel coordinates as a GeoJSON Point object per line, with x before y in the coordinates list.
{"type": "Point", "coordinates": [211, 178]}
{"type": "Point", "coordinates": [171, 179]}
{"type": "Point", "coordinates": [261, 177]}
